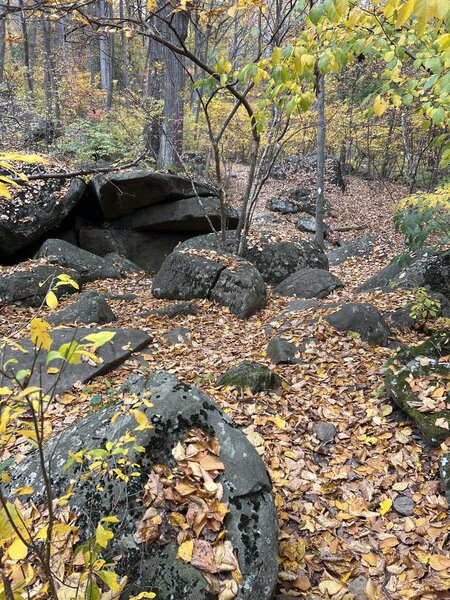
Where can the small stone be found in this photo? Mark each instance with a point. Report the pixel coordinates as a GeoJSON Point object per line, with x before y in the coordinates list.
{"type": "Point", "coordinates": [326, 432]}
{"type": "Point", "coordinates": [281, 350]}
{"type": "Point", "coordinates": [404, 506]}
{"type": "Point", "coordinates": [178, 335]}
{"type": "Point", "coordinates": [358, 586]}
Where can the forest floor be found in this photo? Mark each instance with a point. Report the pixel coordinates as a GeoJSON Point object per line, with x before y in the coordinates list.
{"type": "Point", "coordinates": [339, 533]}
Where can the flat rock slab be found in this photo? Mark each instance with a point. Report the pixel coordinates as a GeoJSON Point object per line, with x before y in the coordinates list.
{"type": "Point", "coordinates": [34, 218]}
{"type": "Point", "coordinates": [124, 343]}
{"type": "Point", "coordinates": [123, 193]}
{"type": "Point", "coordinates": [89, 266]}
{"type": "Point", "coordinates": [147, 249]}
{"type": "Point", "coordinates": [309, 283]}
{"type": "Point", "coordinates": [251, 523]}
{"type": "Point", "coordinates": [28, 287]}
{"type": "Point", "coordinates": [188, 214]}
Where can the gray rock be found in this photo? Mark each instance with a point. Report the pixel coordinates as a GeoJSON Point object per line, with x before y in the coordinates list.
{"type": "Point", "coordinates": [364, 319]}
{"type": "Point", "coordinates": [276, 261]}
{"type": "Point", "coordinates": [89, 266]}
{"type": "Point", "coordinates": [309, 283]}
{"type": "Point", "coordinates": [281, 351]}
{"type": "Point", "coordinates": [250, 375]}
{"type": "Point", "coordinates": [178, 335]}
{"type": "Point", "coordinates": [357, 586]}
{"type": "Point", "coordinates": [326, 432]}
{"type": "Point", "coordinates": [32, 220]}
{"type": "Point", "coordinates": [176, 407]}
{"type": "Point", "coordinates": [90, 307]}
{"type": "Point", "coordinates": [123, 193]}
{"type": "Point", "coordinates": [182, 309]}
{"type": "Point", "coordinates": [283, 206]}
{"type": "Point", "coordinates": [184, 276]}
{"type": "Point", "coordinates": [147, 249]}
{"type": "Point", "coordinates": [241, 289]}
{"type": "Point", "coordinates": [362, 246]}
{"type": "Point", "coordinates": [306, 224]}
{"type": "Point", "coordinates": [404, 505]}
{"type": "Point", "coordinates": [188, 214]}
{"type": "Point", "coordinates": [444, 471]}
{"type": "Point", "coordinates": [125, 342]}
{"type": "Point", "coordinates": [125, 265]}
{"type": "Point", "coordinates": [29, 288]}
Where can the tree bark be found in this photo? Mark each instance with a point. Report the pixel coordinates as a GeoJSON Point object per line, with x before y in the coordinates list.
{"type": "Point", "coordinates": [2, 47]}
{"type": "Point", "coordinates": [320, 159]}
{"type": "Point", "coordinates": [51, 78]}
{"type": "Point", "coordinates": [104, 52]}
{"type": "Point", "coordinates": [26, 48]}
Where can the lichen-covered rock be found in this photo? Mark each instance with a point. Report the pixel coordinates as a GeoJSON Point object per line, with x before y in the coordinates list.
{"type": "Point", "coordinates": [423, 361]}
{"type": "Point", "coordinates": [363, 319]}
{"type": "Point", "coordinates": [309, 283]}
{"type": "Point", "coordinates": [90, 307]}
{"type": "Point", "coordinates": [280, 351]}
{"type": "Point", "coordinates": [176, 408]}
{"type": "Point", "coordinates": [250, 375]}
{"type": "Point", "coordinates": [232, 282]}
{"type": "Point", "coordinates": [444, 471]}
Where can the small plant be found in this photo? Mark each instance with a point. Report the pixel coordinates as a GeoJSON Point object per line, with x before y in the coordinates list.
{"type": "Point", "coordinates": [423, 307]}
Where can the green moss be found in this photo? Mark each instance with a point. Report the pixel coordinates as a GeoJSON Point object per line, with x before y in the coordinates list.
{"type": "Point", "coordinates": [250, 375]}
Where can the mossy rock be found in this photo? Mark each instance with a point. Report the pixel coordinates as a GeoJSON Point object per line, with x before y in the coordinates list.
{"type": "Point", "coordinates": [250, 375]}
{"type": "Point", "coordinates": [400, 391]}
{"type": "Point", "coordinates": [435, 346]}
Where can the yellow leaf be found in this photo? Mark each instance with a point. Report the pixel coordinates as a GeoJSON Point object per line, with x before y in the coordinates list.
{"type": "Point", "coordinates": [380, 106]}
{"type": "Point", "coordinates": [102, 536]}
{"type": "Point", "coordinates": [51, 300]}
{"type": "Point", "coordinates": [330, 586]}
{"type": "Point", "coordinates": [141, 419]}
{"type": "Point", "coordinates": [26, 489]}
{"type": "Point", "coordinates": [279, 422]}
{"type": "Point", "coordinates": [385, 506]}
{"type": "Point", "coordinates": [143, 595]}
{"type": "Point", "coordinates": [40, 335]}
{"type": "Point", "coordinates": [151, 5]}
{"type": "Point", "coordinates": [185, 550]}
{"type": "Point", "coordinates": [18, 550]}
{"type": "Point", "coordinates": [405, 12]}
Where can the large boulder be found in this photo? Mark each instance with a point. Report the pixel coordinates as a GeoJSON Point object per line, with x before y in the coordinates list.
{"type": "Point", "coordinates": [146, 249]}
{"type": "Point", "coordinates": [277, 260]}
{"type": "Point", "coordinates": [250, 375]}
{"type": "Point", "coordinates": [35, 211]}
{"type": "Point", "coordinates": [29, 286]}
{"type": "Point", "coordinates": [274, 260]}
{"type": "Point", "coordinates": [428, 401]}
{"type": "Point", "coordinates": [123, 193]}
{"type": "Point", "coordinates": [363, 319]}
{"type": "Point", "coordinates": [232, 282]}
{"type": "Point", "coordinates": [90, 307]}
{"type": "Point", "coordinates": [111, 354]}
{"type": "Point", "coordinates": [176, 408]}
{"type": "Point", "coordinates": [188, 214]}
{"type": "Point", "coordinates": [89, 266]}
{"type": "Point", "coordinates": [309, 283]}
{"type": "Point", "coordinates": [362, 246]}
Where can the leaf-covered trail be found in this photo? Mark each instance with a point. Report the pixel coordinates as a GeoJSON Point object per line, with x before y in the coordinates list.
{"type": "Point", "coordinates": [335, 500]}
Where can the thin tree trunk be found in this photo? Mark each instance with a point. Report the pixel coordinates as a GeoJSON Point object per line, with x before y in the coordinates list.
{"type": "Point", "coordinates": [2, 47]}
{"type": "Point", "coordinates": [51, 76]}
{"type": "Point", "coordinates": [26, 48]}
{"type": "Point", "coordinates": [320, 159]}
{"type": "Point", "coordinates": [124, 59]}
{"type": "Point", "coordinates": [407, 145]}
{"type": "Point", "coordinates": [105, 75]}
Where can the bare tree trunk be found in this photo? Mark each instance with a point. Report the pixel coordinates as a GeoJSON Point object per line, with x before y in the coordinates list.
{"type": "Point", "coordinates": [407, 145]}
{"type": "Point", "coordinates": [26, 47]}
{"type": "Point", "coordinates": [105, 74]}
{"type": "Point", "coordinates": [2, 47]}
{"type": "Point", "coordinates": [320, 159]}
{"type": "Point", "coordinates": [52, 86]}
{"type": "Point", "coordinates": [124, 59]}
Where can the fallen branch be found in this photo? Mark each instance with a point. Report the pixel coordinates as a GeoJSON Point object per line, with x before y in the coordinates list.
{"type": "Point", "coordinates": [69, 174]}
{"type": "Point", "coordinates": [350, 228]}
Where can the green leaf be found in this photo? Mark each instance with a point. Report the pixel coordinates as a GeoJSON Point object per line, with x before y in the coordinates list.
{"type": "Point", "coordinates": [111, 579]}
{"type": "Point", "coordinates": [323, 63]}
{"type": "Point", "coordinates": [438, 115]}
{"type": "Point", "coordinates": [316, 13]}
{"type": "Point", "coordinates": [99, 339]}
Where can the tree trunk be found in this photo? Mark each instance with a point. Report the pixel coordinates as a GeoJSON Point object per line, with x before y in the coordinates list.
{"type": "Point", "coordinates": [2, 47]}
{"type": "Point", "coordinates": [52, 87]}
{"type": "Point", "coordinates": [26, 47]}
{"type": "Point", "coordinates": [409, 152]}
{"type": "Point", "coordinates": [124, 59]}
{"type": "Point", "coordinates": [105, 74]}
{"type": "Point", "coordinates": [320, 159]}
